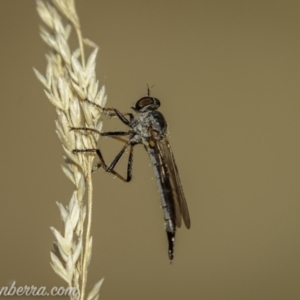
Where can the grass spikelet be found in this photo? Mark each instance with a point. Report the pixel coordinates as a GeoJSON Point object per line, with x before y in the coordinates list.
{"type": "Point", "coordinates": [68, 80]}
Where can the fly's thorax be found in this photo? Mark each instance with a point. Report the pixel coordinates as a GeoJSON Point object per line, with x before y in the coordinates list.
{"type": "Point", "coordinates": [158, 123]}
{"type": "Point", "coordinates": [142, 125]}
{"type": "Point", "coordinates": [147, 122]}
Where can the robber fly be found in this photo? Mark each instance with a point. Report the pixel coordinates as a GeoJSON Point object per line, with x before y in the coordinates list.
{"type": "Point", "coordinates": [149, 128]}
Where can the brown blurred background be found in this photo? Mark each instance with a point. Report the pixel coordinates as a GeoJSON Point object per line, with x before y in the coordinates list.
{"type": "Point", "coordinates": [228, 74]}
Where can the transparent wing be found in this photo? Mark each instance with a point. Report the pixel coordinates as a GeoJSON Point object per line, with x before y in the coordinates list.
{"type": "Point", "coordinates": [170, 170]}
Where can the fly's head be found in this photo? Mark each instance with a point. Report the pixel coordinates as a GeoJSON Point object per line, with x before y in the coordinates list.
{"type": "Point", "coordinates": [146, 104]}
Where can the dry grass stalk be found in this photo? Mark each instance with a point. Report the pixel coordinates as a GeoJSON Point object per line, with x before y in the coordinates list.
{"type": "Point", "coordinates": [68, 81]}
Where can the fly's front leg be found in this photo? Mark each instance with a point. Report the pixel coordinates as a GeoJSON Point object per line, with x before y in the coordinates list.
{"type": "Point", "coordinates": [112, 112]}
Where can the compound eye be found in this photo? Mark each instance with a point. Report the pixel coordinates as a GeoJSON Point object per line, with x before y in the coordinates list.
{"type": "Point", "coordinates": [147, 103]}
{"type": "Point", "coordinates": [144, 102]}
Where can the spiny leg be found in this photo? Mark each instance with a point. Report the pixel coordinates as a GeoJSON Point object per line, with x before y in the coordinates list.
{"type": "Point", "coordinates": [112, 112]}
{"type": "Point", "coordinates": [111, 167]}
{"type": "Point", "coordinates": [113, 134]}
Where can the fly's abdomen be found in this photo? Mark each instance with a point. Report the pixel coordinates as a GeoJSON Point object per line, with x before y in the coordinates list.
{"type": "Point", "coordinates": [166, 196]}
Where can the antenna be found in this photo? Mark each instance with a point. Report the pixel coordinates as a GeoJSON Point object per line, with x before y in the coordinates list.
{"type": "Point", "coordinates": [148, 89]}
